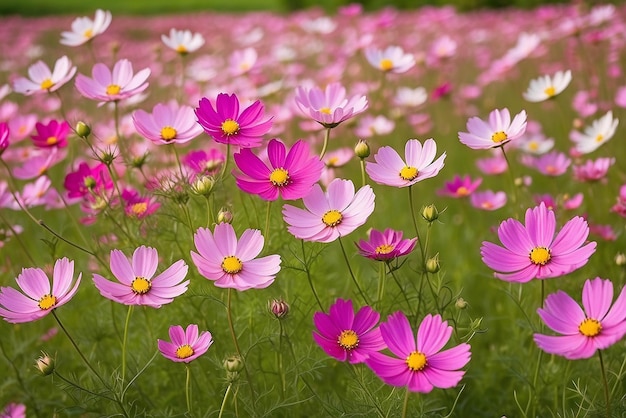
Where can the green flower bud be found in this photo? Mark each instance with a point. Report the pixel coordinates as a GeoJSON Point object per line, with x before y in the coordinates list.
{"type": "Point", "coordinates": [460, 303]}
{"type": "Point", "coordinates": [203, 185]}
{"type": "Point", "coordinates": [233, 364]}
{"type": "Point", "coordinates": [82, 129]}
{"type": "Point", "coordinates": [45, 364]}
{"type": "Point", "coordinates": [362, 149]}
{"type": "Point", "coordinates": [224, 215]}
{"type": "Point", "coordinates": [430, 213]}
{"type": "Point", "coordinates": [432, 264]}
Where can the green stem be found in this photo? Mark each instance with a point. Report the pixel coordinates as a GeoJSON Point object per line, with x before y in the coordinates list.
{"type": "Point", "coordinates": [183, 177]}
{"type": "Point", "coordinates": [20, 381]}
{"type": "Point", "coordinates": [534, 388]}
{"type": "Point", "coordinates": [405, 404]}
{"type": "Point", "coordinates": [309, 278]}
{"type": "Point", "coordinates": [230, 385]}
{"type": "Point", "coordinates": [362, 163]}
{"type": "Point", "coordinates": [512, 177]}
{"type": "Point", "coordinates": [223, 173]}
{"type": "Point", "coordinates": [356, 283]}
{"type": "Point", "coordinates": [124, 341]}
{"type": "Point", "coordinates": [605, 383]}
{"type": "Point", "coordinates": [77, 386]}
{"type": "Point", "coordinates": [18, 238]}
{"type": "Point", "coordinates": [236, 342]}
{"type": "Point", "coordinates": [417, 231]}
{"type": "Point", "coordinates": [281, 371]}
{"type": "Point", "coordinates": [382, 276]}
{"type": "Point", "coordinates": [267, 219]}
{"type": "Point", "coordinates": [188, 389]}
{"type": "Point", "coordinates": [325, 145]}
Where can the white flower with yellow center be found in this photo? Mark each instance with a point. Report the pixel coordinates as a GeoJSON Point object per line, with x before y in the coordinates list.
{"type": "Point", "coordinates": [546, 87]}
{"type": "Point", "coordinates": [600, 131]}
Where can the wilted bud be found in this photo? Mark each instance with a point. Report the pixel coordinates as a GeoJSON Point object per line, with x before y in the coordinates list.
{"type": "Point", "coordinates": [432, 264]}
{"type": "Point", "coordinates": [45, 364]}
{"type": "Point", "coordinates": [362, 149]}
{"type": "Point", "coordinates": [430, 213]}
{"type": "Point", "coordinates": [203, 185]}
{"type": "Point", "coordinates": [82, 129]}
{"type": "Point", "coordinates": [278, 307]}
{"type": "Point", "coordinates": [224, 215]}
{"type": "Point", "coordinates": [460, 303]}
{"type": "Point", "coordinates": [620, 259]}
{"type": "Point", "coordinates": [233, 364]}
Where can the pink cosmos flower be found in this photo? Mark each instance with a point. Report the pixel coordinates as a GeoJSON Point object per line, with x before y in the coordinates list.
{"type": "Point", "coordinates": [495, 132]}
{"type": "Point", "coordinates": [88, 180]}
{"type": "Point", "coordinates": [42, 80]}
{"type": "Point", "coordinates": [232, 263]}
{"type": "Point", "coordinates": [137, 284]}
{"type": "Point", "coordinates": [52, 134]}
{"type": "Point", "coordinates": [605, 232]}
{"type": "Point", "coordinates": [347, 336]}
{"type": "Point", "coordinates": [533, 251]}
{"type": "Point", "coordinates": [374, 126]}
{"type": "Point", "coordinates": [201, 162]}
{"type": "Point", "coordinates": [21, 126]}
{"type": "Point", "coordinates": [391, 59]}
{"type": "Point", "coordinates": [386, 245]}
{"type": "Point", "coordinates": [227, 125]}
{"type": "Point", "coordinates": [329, 107]}
{"type": "Point", "coordinates": [488, 200]}
{"type": "Point", "coordinates": [593, 170]}
{"type": "Point", "coordinates": [167, 124]}
{"type": "Point", "coordinates": [84, 29]}
{"type": "Point", "coordinates": [40, 297]}
{"type": "Point", "coordinates": [420, 365]}
{"type": "Point", "coordinates": [492, 165]}
{"type": "Point", "coordinates": [183, 41]}
{"type": "Point", "coordinates": [111, 86]}
{"type": "Point", "coordinates": [186, 344]}
{"type": "Point", "coordinates": [460, 186]}
{"type": "Point", "coordinates": [136, 206]}
{"type": "Point", "coordinates": [552, 164]}
{"type": "Point", "coordinates": [330, 215]}
{"type": "Point", "coordinates": [13, 410]}
{"type": "Point", "coordinates": [242, 61]}
{"type": "Point", "coordinates": [391, 170]}
{"type": "Point", "coordinates": [38, 163]}
{"type": "Point", "coordinates": [290, 175]}
{"type": "Point", "coordinates": [4, 136]}
{"type": "Point", "coordinates": [583, 331]}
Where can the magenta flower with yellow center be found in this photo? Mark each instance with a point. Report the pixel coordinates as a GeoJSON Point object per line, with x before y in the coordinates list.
{"type": "Point", "coordinates": [51, 134]}
{"type": "Point", "coordinates": [112, 85]}
{"type": "Point", "coordinates": [385, 245]}
{"type": "Point", "coordinates": [460, 186]}
{"type": "Point", "coordinates": [186, 344]}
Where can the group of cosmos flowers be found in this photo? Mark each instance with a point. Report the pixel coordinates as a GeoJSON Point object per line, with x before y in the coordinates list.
{"type": "Point", "coordinates": [331, 208]}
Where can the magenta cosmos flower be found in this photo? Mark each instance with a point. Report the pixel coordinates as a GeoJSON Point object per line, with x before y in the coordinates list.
{"type": "Point", "coordinates": [290, 175]}
{"type": "Point", "coordinates": [385, 245]}
{"type": "Point", "coordinates": [226, 124]}
{"type": "Point", "coordinates": [39, 297]}
{"type": "Point", "coordinates": [167, 124]}
{"type": "Point", "coordinates": [4, 136]}
{"type": "Point", "coordinates": [596, 327]}
{"type": "Point", "coordinates": [109, 86]}
{"type": "Point", "coordinates": [86, 180]}
{"type": "Point", "coordinates": [52, 134]}
{"type": "Point", "coordinates": [137, 284]}
{"type": "Point", "coordinates": [84, 29]}
{"type": "Point", "coordinates": [232, 263]}
{"type": "Point", "coordinates": [330, 215]}
{"type": "Point", "coordinates": [186, 345]}
{"type": "Point", "coordinates": [533, 251]}
{"type": "Point", "coordinates": [460, 186]}
{"type": "Point", "coordinates": [346, 336]}
{"type": "Point", "coordinates": [391, 170]}
{"type": "Point", "coordinates": [42, 80]}
{"type": "Point", "coordinates": [420, 365]}
{"type": "Point", "coordinates": [329, 107]}
{"type": "Point", "coordinates": [495, 132]}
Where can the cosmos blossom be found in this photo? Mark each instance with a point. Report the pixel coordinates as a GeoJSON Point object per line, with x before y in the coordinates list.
{"type": "Point", "coordinates": [167, 124]}
{"type": "Point", "coordinates": [460, 186]}
{"type": "Point", "coordinates": [495, 132]}
{"type": "Point", "coordinates": [43, 80]}
{"type": "Point", "coordinates": [488, 200]}
{"type": "Point", "coordinates": [595, 135]}
{"type": "Point", "coordinates": [85, 29]}
{"type": "Point", "coordinates": [392, 59]}
{"type": "Point", "coordinates": [418, 362]}
{"type": "Point", "coordinates": [86, 180]}
{"type": "Point", "coordinates": [385, 245]}
{"type": "Point", "coordinates": [52, 134]}
{"type": "Point", "coordinates": [329, 107]}
{"type": "Point", "coordinates": [183, 41]}
{"type": "Point", "coordinates": [593, 170]}
{"type": "Point", "coordinates": [546, 87]}
{"type": "Point", "coordinates": [112, 85]}
{"type": "Point", "coordinates": [347, 336]}
{"type": "Point", "coordinates": [533, 251]}
{"type": "Point", "coordinates": [583, 331]}
{"type": "Point", "coordinates": [138, 284]}
{"type": "Point", "coordinates": [186, 344]}
{"type": "Point", "coordinates": [40, 296]}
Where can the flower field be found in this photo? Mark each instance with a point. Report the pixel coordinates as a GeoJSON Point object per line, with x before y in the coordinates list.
{"type": "Point", "coordinates": [376, 214]}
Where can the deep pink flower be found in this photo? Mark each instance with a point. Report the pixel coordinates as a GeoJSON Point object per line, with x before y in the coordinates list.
{"type": "Point", "coordinates": [533, 251]}
{"type": "Point", "coordinates": [232, 263]}
{"type": "Point", "coordinates": [347, 336]}
{"type": "Point", "coordinates": [386, 245]}
{"type": "Point", "coordinates": [289, 175]}
{"type": "Point", "coordinates": [329, 107]}
{"type": "Point", "coordinates": [137, 206]}
{"type": "Point", "coordinates": [88, 180]}
{"type": "Point", "coordinates": [420, 365]}
{"type": "Point", "coordinates": [42, 80]}
{"type": "Point", "coordinates": [460, 186]}
{"type": "Point", "coordinates": [593, 170]}
{"type": "Point", "coordinates": [330, 215]}
{"type": "Point", "coordinates": [39, 297]}
{"type": "Point", "coordinates": [186, 345]}
{"type": "Point", "coordinates": [167, 124]}
{"type": "Point", "coordinates": [13, 410]}
{"type": "Point", "coordinates": [137, 284]}
{"type": "Point", "coordinates": [52, 134]}
{"type": "Point", "coordinates": [488, 200]}
{"type": "Point", "coordinates": [4, 136]}
{"type": "Point", "coordinates": [201, 162]}
{"type": "Point", "coordinates": [583, 331]}
{"type": "Point", "coordinates": [495, 132]}
{"type": "Point", "coordinates": [226, 124]}
{"type": "Point", "coordinates": [109, 86]}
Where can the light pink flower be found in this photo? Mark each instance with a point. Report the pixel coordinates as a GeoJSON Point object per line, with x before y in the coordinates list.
{"type": "Point", "coordinates": [42, 80]}
{"type": "Point", "coordinates": [186, 344]}
{"type": "Point", "coordinates": [495, 132]}
{"type": "Point", "coordinates": [167, 124]}
{"type": "Point", "coordinates": [109, 86]}
{"type": "Point", "coordinates": [329, 107]}
{"type": "Point", "coordinates": [488, 200]}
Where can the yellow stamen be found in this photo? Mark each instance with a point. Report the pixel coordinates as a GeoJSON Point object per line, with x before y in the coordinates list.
{"type": "Point", "coordinates": [462, 191]}
{"type": "Point", "coordinates": [487, 205]}
{"type": "Point", "coordinates": [332, 161]}
{"type": "Point", "coordinates": [88, 33]}
{"type": "Point", "coordinates": [499, 137]}
{"type": "Point", "coordinates": [326, 110]}
{"type": "Point", "coordinates": [168, 133]}
{"type": "Point", "coordinates": [384, 249]}
{"type": "Point", "coordinates": [590, 327]}
{"type": "Point", "coordinates": [332, 218]}
{"type": "Point", "coordinates": [279, 177]}
{"type": "Point", "coordinates": [230, 127]}
{"type": "Point", "coordinates": [540, 255]}
{"type": "Point", "coordinates": [181, 49]}
{"type": "Point", "coordinates": [232, 265]}
{"type": "Point", "coordinates": [46, 84]}
{"type": "Point", "coordinates": [113, 89]}
{"type": "Point", "coordinates": [184, 351]}
{"type": "Point", "coordinates": [348, 339]}
{"type": "Point", "coordinates": [533, 146]}
{"type": "Point", "coordinates": [47, 301]}
{"type": "Point", "coordinates": [139, 209]}
{"type": "Point", "coordinates": [599, 138]}
{"type": "Point", "coordinates": [408, 173]}
{"type": "Point", "coordinates": [140, 286]}
{"type": "Point", "coordinates": [550, 91]}
{"type": "Point", "coordinates": [416, 361]}
{"type": "Point", "coordinates": [52, 140]}
{"type": "Point", "coordinates": [386, 64]}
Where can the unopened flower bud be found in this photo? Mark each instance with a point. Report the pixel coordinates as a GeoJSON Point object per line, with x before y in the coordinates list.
{"type": "Point", "coordinates": [362, 149]}
{"type": "Point", "coordinates": [224, 215]}
{"type": "Point", "coordinates": [139, 161]}
{"type": "Point", "coordinates": [45, 364]}
{"type": "Point", "coordinates": [82, 129]}
{"type": "Point", "coordinates": [432, 264]}
{"type": "Point", "coordinates": [203, 185]}
{"type": "Point", "coordinates": [460, 303]}
{"type": "Point", "coordinates": [233, 364]}
{"type": "Point", "coordinates": [620, 259]}
{"type": "Point", "coordinates": [430, 213]}
{"type": "Point", "coordinates": [278, 307]}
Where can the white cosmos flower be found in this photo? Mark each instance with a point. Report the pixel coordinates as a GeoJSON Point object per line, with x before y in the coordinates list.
{"type": "Point", "coordinates": [391, 59]}
{"type": "Point", "coordinates": [600, 131]}
{"type": "Point", "coordinates": [546, 87]}
{"type": "Point", "coordinates": [183, 41]}
{"type": "Point", "coordinates": [84, 29]}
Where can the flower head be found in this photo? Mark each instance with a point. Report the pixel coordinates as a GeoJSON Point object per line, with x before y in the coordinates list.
{"type": "Point", "coordinates": [290, 175]}
{"type": "Point", "coordinates": [167, 124]}
{"type": "Point", "coordinates": [385, 245]}
{"type": "Point", "coordinates": [583, 331]}
{"type": "Point", "coordinates": [330, 215]}
{"type": "Point", "coordinates": [13, 410]}
{"type": "Point", "coordinates": [593, 170]}
{"type": "Point", "coordinates": [460, 186]}
{"type": "Point", "coordinates": [207, 163]}
{"type": "Point", "coordinates": [137, 283]}
{"type": "Point", "coordinates": [329, 107]}
{"type": "Point", "coordinates": [226, 124]}
{"type": "Point", "coordinates": [42, 80]}
{"type": "Point", "coordinates": [233, 263]}
{"type": "Point", "coordinates": [40, 296]}
{"type": "Point", "coordinates": [419, 364]}
{"type": "Point", "coordinates": [419, 163]}
{"type": "Point", "coordinates": [347, 336]}
{"type": "Point", "coordinates": [488, 200]}
{"type": "Point", "coordinates": [546, 87]}
{"type": "Point", "coordinates": [600, 131]}
{"type": "Point", "coordinates": [86, 180]}
{"type": "Point", "coordinates": [183, 41]}
{"type": "Point", "coordinates": [52, 134]}
{"type": "Point", "coordinates": [109, 86]}
{"type": "Point", "coordinates": [495, 132]}
{"type": "Point", "coordinates": [533, 251]}
{"type": "Point", "coordinates": [84, 29]}
{"type": "Point", "coordinates": [186, 345]}
{"type": "Point", "coordinates": [391, 59]}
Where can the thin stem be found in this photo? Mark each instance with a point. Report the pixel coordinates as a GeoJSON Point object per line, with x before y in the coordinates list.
{"type": "Point", "coordinates": [417, 231]}
{"type": "Point", "coordinates": [124, 341]}
{"type": "Point", "coordinates": [18, 238]}
{"type": "Point", "coordinates": [77, 386]}
{"type": "Point", "coordinates": [180, 165]}
{"type": "Point", "coordinates": [283, 381]}
{"type": "Point", "coordinates": [508, 163]}
{"type": "Point", "coordinates": [325, 145]}
{"type": "Point", "coordinates": [230, 385]}
{"type": "Point", "coordinates": [382, 276]}
{"type": "Point", "coordinates": [405, 404]}
{"type": "Point", "coordinates": [356, 283]}
{"type": "Point", "coordinates": [223, 173]}
{"type": "Point", "coordinates": [267, 219]}
{"type": "Point", "coordinates": [236, 342]}
{"type": "Point", "coordinates": [188, 389]}
{"type": "Point", "coordinates": [362, 163]}
{"type": "Point", "coordinates": [20, 381]}
{"type": "Point", "coordinates": [308, 276]}
{"type": "Point", "coordinates": [605, 383]}
{"type": "Point", "coordinates": [535, 378]}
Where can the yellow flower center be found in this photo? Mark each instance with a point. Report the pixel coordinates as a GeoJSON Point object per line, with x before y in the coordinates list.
{"type": "Point", "coordinates": [181, 49]}
{"type": "Point", "coordinates": [408, 173]}
{"type": "Point", "coordinates": [462, 191]}
{"type": "Point", "coordinates": [139, 209]}
{"type": "Point", "coordinates": [47, 302]}
{"type": "Point", "coordinates": [533, 146]}
{"type": "Point", "coordinates": [590, 327]}
{"type": "Point", "coordinates": [599, 138]}
{"type": "Point", "coordinates": [140, 286]}
{"type": "Point", "coordinates": [46, 84]}
{"type": "Point", "coordinates": [230, 127]}
{"type": "Point", "coordinates": [326, 110]}
{"type": "Point", "coordinates": [384, 249]}
{"type": "Point", "coordinates": [348, 339]}
{"type": "Point", "coordinates": [551, 169]}
{"type": "Point", "coordinates": [487, 205]}
{"type": "Point", "coordinates": [332, 218]}
{"type": "Point", "coordinates": [113, 89]}
{"type": "Point", "coordinates": [416, 361]}
{"type": "Point", "coordinates": [332, 161]}
{"type": "Point", "coordinates": [279, 177]}
{"type": "Point", "coordinates": [244, 66]}
{"type": "Point", "coordinates": [540, 255]}
{"type": "Point", "coordinates": [52, 140]}
{"type": "Point", "coordinates": [499, 137]}
{"type": "Point", "coordinates": [550, 91]}
{"type": "Point", "coordinates": [168, 133]}
{"type": "Point", "coordinates": [386, 64]}
{"type": "Point", "coordinates": [232, 265]}
{"type": "Point", "coordinates": [88, 33]}
{"type": "Point", "coordinates": [184, 351]}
